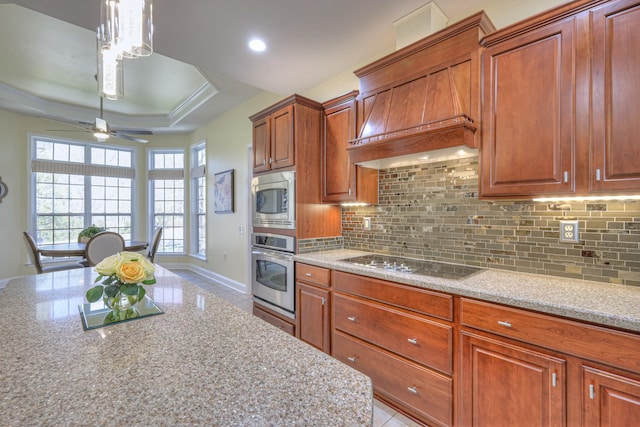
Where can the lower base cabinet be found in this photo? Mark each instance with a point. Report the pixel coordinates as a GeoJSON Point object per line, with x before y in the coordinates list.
{"type": "Point", "coordinates": [274, 318]}
{"type": "Point", "coordinates": [508, 385]}
{"type": "Point", "coordinates": [422, 393]}
{"type": "Point", "coordinates": [609, 399]}
{"type": "Point", "coordinates": [313, 316]}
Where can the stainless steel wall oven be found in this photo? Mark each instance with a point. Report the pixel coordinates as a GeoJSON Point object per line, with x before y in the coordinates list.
{"type": "Point", "coordinates": [273, 281]}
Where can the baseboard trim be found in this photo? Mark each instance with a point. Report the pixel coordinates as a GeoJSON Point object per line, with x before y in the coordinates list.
{"type": "Point", "coordinates": [218, 278]}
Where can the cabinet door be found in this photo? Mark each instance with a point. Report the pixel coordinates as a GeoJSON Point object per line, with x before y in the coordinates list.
{"type": "Point", "coordinates": [507, 385]}
{"type": "Point", "coordinates": [282, 149]}
{"type": "Point", "coordinates": [313, 313]}
{"type": "Point", "coordinates": [339, 174]}
{"type": "Point", "coordinates": [609, 399]}
{"type": "Point", "coordinates": [528, 114]}
{"type": "Point", "coordinates": [261, 145]}
{"type": "Point", "coordinates": [616, 79]}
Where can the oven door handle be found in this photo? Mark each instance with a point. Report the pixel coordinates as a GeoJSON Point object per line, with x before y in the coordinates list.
{"type": "Point", "coordinates": [272, 254]}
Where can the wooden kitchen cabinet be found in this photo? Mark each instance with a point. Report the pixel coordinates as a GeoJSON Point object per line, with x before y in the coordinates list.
{"type": "Point", "coordinates": [343, 181]}
{"type": "Point", "coordinates": [509, 385]}
{"type": "Point", "coordinates": [528, 114]}
{"type": "Point", "coordinates": [615, 165]}
{"type": "Point", "coordinates": [609, 399]}
{"type": "Point", "coordinates": [544, 370]}
{"type": "Point", "coordinates": [397, 335]}
{"type": "Point", "coordinates": [559, 110]}
{"type": "Point", "coordinates": [313, 302]}
{"type": "Point", "coordinates": [277, 130]}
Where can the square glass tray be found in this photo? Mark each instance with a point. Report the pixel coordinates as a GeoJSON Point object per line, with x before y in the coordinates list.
{"type": "Point", "coordinates": [96, 315]}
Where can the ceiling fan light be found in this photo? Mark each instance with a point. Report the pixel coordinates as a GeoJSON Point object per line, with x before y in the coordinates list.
{"type": "Point", "coordinates": [101, 136]}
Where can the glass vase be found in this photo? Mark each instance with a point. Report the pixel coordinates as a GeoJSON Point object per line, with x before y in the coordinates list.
{"type": "Point", "coordinates": [120, 301]}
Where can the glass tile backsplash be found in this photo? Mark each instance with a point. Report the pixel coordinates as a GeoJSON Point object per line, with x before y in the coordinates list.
{"type": "Point", "coordinates": [432, 211]}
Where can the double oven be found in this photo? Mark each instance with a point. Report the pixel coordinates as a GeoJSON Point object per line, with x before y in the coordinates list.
{"type": "Point", "coordinates": [273, 209]}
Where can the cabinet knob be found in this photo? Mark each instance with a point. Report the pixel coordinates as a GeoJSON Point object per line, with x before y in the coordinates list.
{"type": "Point", "coordinates": [352, 359]}
{"type": "Point", "coordinates": [413, 341]}
{"type": "Point", "coordinates": [352, 318]}
{"type": "Point", "coordinates": [413, 390]}
{"type": "Point", "coordinates": [503, 323]}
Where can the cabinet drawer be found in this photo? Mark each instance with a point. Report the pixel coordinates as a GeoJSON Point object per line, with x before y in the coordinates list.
{"type": "Point", "coordinates": [411, 336]}
{"type": "Point", "coordinates": [274, 320]}
{"type": "Point", "coordinates": [425, 393]}
{"type": "Point", "coordinates": [415, 299]}
{"type": "Point", "coordinates": [588, 341]}
{"type": "Point", "coordinates": [315, 275]}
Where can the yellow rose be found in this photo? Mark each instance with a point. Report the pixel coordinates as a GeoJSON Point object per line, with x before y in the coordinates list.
{"type": "Point", "coordinates": [108, 266]}
{"type": "Point", "coordinates": [131, 272]}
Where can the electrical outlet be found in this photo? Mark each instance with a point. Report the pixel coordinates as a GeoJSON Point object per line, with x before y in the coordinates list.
{"type": "Point", "coordinates": [366, 223]}
{"type": "Point", "coordinates": [569, 232]}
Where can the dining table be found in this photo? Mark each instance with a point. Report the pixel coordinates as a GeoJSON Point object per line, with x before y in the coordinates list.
{"type": "Point", "coordinates": [79, 248]}
{"type": "Point", "coordinates": [200, 362]}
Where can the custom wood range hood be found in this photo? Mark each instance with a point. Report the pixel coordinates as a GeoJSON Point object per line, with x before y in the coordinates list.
{"type": "Point", "coordinates": [423, 97]}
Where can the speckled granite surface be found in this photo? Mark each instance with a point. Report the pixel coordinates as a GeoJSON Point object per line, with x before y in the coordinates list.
{"type": "Point", "coordinates": [203, 362]}
{"type": "Point", "coordinates": [606, 304]}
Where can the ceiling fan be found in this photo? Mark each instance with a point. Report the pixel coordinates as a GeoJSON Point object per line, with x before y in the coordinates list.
{"type": "Point", "coordinates": [101, 130]}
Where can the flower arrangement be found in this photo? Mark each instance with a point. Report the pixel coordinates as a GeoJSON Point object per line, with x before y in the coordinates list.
{"type": "Point", "coordinates": [122, 276]}
{"type": "Point", "coordinates": [89, 232]}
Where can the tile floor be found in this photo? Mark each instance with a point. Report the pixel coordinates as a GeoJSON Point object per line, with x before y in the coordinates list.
{"type": "Point", "coordinates": [383, 415]}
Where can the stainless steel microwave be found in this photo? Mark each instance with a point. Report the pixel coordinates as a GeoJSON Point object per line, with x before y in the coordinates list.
{"type": "Point", "coordinates": [273, 200]}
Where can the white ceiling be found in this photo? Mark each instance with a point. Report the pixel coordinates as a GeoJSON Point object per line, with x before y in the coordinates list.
{"type": "Point", "coordinates": [201, 66]}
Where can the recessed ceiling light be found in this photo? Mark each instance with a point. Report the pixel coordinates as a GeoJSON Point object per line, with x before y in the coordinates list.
{"type": "Point", "coordinates": [257, 45]}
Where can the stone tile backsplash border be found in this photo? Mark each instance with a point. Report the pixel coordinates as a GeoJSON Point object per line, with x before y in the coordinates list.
{"type": "Point", "coordinates": [432, 211]}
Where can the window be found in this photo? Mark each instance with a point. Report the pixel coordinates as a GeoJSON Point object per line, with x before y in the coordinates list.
{"type": "Point", "coordinates": [198, 199]}
{"type": "Point", "coordinates": [75, 185]}
{"type": "Point", "coordinates": [166, 180]}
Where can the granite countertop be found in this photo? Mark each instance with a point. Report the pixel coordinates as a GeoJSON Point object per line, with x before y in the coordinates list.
{"type": "Point", "coordinates": [202, 362]}
{"type": "Point", "coordinates": [601, 303]}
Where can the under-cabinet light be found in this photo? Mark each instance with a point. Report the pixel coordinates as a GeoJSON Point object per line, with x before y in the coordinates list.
{"type": "Point", "coordinates": [586, 198]}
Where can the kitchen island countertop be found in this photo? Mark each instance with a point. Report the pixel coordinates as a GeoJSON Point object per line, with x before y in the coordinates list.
{"type": "Point", "coordinates": [202, 362]}
{"type": "Point", "coordinates": [601, 303]}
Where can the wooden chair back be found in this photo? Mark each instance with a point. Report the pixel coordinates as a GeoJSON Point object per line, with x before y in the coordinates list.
{"type": "Point", "coordinates": [103, 245]}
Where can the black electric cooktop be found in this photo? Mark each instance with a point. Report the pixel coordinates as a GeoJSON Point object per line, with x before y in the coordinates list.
{"type": "Point", "coordinates": [414, 266]}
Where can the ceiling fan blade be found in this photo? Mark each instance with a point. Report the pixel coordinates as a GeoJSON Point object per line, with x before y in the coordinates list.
{"type": "Point", "coordinates": [128, 137]}
{"type": "Point", "coordinates": [133, 131]}
{"type": "Point", "coordinates": [67, 130]}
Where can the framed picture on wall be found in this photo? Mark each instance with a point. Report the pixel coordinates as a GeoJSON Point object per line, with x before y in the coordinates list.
{"type": "Point", "coordinates": [223, 192]}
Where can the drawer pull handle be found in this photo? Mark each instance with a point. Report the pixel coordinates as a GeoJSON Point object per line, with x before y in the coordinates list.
{"type": "Point", "coordinates": [308, 274]}
{"type": "Point", "coordinates": [413, 341]}
{"type": "Point", "coordinates": [413, 390]}
{"type": "Point", "coordinates": [352, 359]}
{"type": "Point", "coordinates": [503, 323]}
{"type": "Point", "coordinates": [352, 318]}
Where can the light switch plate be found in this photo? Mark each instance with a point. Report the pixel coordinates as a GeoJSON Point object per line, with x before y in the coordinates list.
{"type": "Point", "coordinates": [569, 232]}
{"type": "Point", "coordinates": [366, 223]}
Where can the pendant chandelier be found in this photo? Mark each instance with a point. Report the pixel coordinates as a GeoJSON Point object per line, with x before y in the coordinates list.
{"type": "Point", "coordinates": [125, 32]}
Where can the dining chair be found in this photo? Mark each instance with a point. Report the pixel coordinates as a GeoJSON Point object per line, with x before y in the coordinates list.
{"type": "Point", "coordinates": [103, 245]}
{"type": "Point", "coordinates": [34, 257]}
{"type": "Point", "coordinates": [155, 243]}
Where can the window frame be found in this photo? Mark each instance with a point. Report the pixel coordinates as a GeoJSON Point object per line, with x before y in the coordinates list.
{"type": "Point", "coordinates": [197, 171]}
{"type": "Point", "coordinates": [85, 169]}
{"type": "Point", "coordinates": [176, 174]}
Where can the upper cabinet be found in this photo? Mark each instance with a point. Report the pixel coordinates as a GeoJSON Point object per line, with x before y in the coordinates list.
{"type": "Point", "coordinates": [343, 181]}
{"type": "Point", "coordinates": [277, 130]}
{"type": "Point", "coordinates": [558, 103]}
{"type": "Point", "coordinates": [615, 37]}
